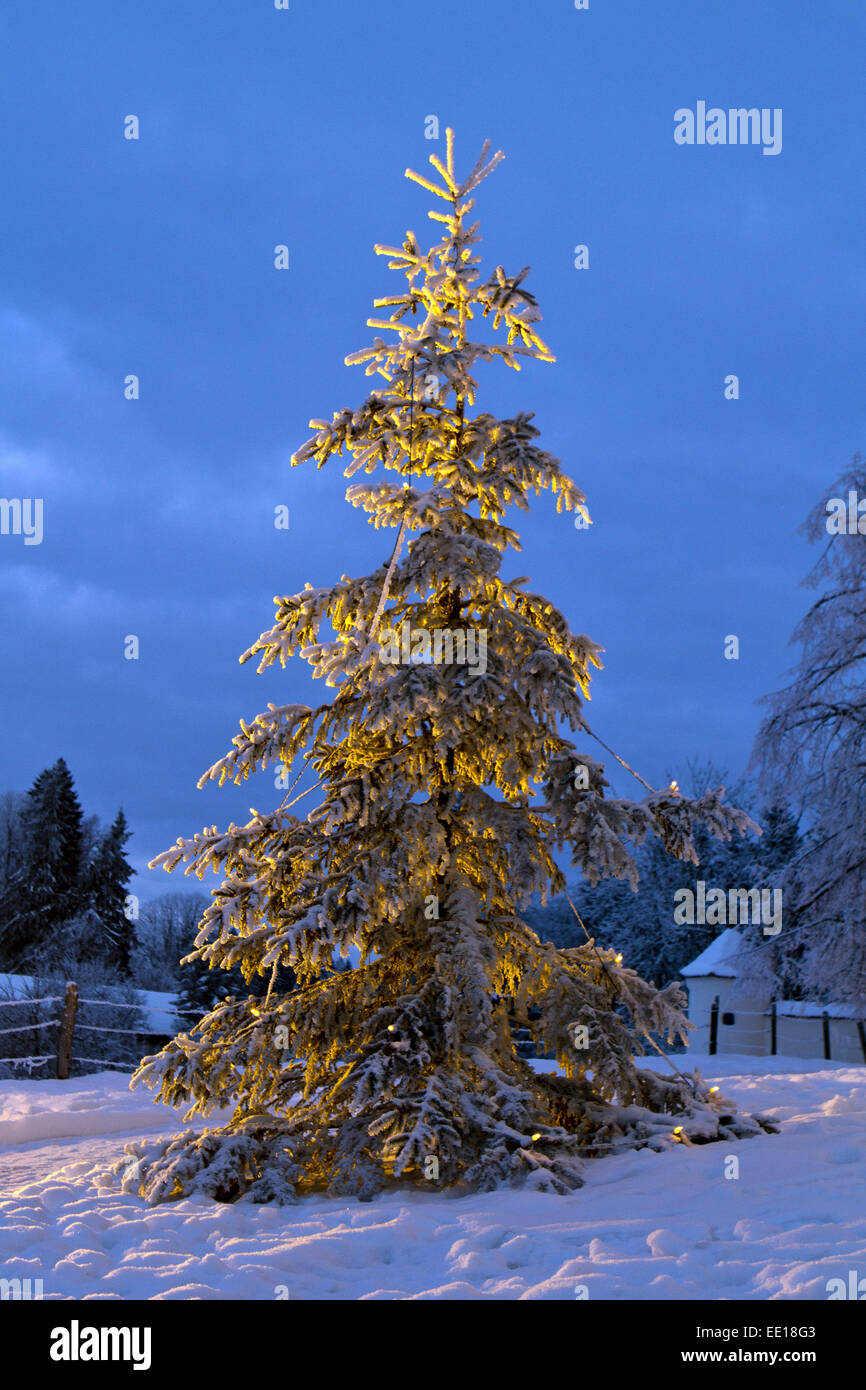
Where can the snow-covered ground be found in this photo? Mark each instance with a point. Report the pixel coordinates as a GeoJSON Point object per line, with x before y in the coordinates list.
{"type": "Point", "coordinates": [646, 1225]}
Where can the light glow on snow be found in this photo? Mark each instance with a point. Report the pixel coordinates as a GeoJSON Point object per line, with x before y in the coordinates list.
{"type": "Point", "coordinates": [645, 1226]}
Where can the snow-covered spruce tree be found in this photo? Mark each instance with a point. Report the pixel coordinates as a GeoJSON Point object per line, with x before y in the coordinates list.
{"type": "Point", "coordinates": [47, 889]}
{"type": "Point", "coordinates": [107, 879]}
{"type": "Point", "coordinates": [812, 744]}
{"type": "Point", "coordinates": [446, 786]}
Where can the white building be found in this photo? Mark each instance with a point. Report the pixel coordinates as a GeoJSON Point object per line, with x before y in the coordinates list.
{"type": "Point", "coordinates": [730, 1018]}
{"type": "Point", "coordinates": [743, 1024]}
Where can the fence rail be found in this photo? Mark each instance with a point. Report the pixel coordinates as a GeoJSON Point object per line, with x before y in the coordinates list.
{"type": "Point", "coordinates": [68, 1025]}
{"type": "Point", "coordinates": [774, 1017]}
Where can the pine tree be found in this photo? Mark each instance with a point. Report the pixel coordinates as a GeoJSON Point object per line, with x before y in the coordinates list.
{"type": "Point", "coordinates": [446, 785]}
{"type": "Point", "coordinates": [11, 836]}
{"type": "Point", "coordinates": [12, 806]}
{"type": "Point", "coordinates": [107, 879]}
{"type": "Point", "coordinates": [202, 987]}
{"type": "Point", "coordinates": [48, 889]}
{"type": "Point", "coordinates": [811, 747]}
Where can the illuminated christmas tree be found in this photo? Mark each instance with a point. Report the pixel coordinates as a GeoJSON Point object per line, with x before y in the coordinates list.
{"type": "Point", "coordinates": [446, 784]}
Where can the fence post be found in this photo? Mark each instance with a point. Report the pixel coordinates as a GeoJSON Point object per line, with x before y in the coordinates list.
{"type": "Point", "coordinates": [64, 1039]}
{"type": "Point", "coordinates": [714, 1026]}
{"type": "Point", "coordinates": [826, 1026]}
{"type": "Point", "coordinates": [772, 1027]}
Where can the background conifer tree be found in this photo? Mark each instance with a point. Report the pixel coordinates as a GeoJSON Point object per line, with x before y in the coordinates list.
{"type": "Point", "coordinates": [202, 987]}
{"type": "Point", "coordinates": [12, 841]}
{"type": "Point", "coordinates": [48, 888]}
{"type": "Point", "coordinates": [107, 878]}
{"type": "Point", "coordinates": [445, 792]}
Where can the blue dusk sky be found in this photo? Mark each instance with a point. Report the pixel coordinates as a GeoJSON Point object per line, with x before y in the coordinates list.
{"type": "Point", "coordinates": [261, 126]}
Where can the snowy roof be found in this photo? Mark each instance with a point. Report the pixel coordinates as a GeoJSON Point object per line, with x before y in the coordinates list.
{"type": "Point", "coordinates": [716, 959]}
